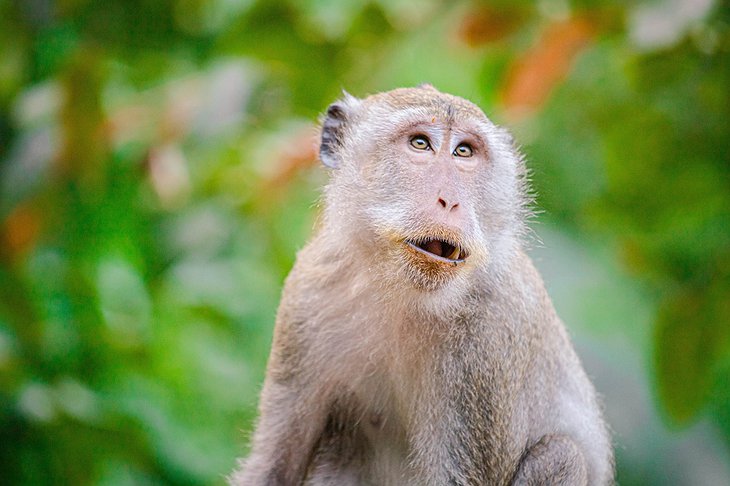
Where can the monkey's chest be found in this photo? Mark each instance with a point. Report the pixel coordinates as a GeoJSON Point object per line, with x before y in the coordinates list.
{"type": "Point", "coordinates": [365, 439]}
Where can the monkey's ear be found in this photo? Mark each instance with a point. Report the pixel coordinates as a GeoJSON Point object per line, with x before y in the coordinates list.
{"type": "Point", "coordinates": [334, 124]}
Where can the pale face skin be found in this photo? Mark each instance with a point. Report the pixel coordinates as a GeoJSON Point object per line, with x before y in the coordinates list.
{"type": "Point", "coordinates": [454, 162]}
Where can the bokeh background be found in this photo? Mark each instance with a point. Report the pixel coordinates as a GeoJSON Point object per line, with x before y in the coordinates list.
{"type": "Point", "coordinates": [158, 174]}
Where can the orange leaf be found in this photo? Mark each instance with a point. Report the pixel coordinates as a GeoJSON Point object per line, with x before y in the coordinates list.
{"type": "Point", "coordinates": [532, 77]}
{"type": "Point", "coordinates": [20, 230]}
{"type": "Point", "coordinates": [485, 24]}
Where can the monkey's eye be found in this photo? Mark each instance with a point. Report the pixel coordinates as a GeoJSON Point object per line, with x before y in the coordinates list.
{"type": "Point", "coordinates": [463, 150]}
{"type": "Point", "coordinates": [420, 142]}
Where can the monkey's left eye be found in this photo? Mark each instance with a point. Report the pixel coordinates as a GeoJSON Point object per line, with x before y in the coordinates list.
{"type": "Point", "coordinates": [463, 150]}
{"type": "Point", "coordinates": [420, 142]}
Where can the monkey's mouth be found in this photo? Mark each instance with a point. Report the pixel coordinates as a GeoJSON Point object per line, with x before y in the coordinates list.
{"type": "Point", "coordinates": [439, 250]}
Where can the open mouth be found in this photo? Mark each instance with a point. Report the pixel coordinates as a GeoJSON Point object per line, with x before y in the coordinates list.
{"type": "Point", "coordinates": [439, 250]}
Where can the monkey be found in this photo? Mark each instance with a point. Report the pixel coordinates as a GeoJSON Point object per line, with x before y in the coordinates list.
{"type": "Point", "coordinates": [415, 343]}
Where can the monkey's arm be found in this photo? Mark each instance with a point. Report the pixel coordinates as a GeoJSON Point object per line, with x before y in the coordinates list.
{"type": "Point", "coordinates": [285, 438]}
{"type": "Point", "coordinates": [554, 460]}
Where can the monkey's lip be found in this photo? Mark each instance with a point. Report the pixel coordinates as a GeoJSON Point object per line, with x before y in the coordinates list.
{"type": "Point", "coordinates": [439, 250]}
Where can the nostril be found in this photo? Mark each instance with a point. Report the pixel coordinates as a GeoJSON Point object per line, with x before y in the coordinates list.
{"type": "Point", "coordinates": [442, 202]}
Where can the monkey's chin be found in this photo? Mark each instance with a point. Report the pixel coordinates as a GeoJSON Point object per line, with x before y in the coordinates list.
{"type": "Point", "coordinates": [431, 264]}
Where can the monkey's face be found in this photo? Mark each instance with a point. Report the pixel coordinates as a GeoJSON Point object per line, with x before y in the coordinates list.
{"type": "Point", "coordinates": [431, 184]}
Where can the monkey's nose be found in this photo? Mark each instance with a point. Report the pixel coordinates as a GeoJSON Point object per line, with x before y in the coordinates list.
{"type": "Point", "coordinates": [449, 206]}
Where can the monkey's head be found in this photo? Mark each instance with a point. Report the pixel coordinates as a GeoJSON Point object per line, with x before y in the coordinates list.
{"type": "Point", "coordinates": [423, 185]}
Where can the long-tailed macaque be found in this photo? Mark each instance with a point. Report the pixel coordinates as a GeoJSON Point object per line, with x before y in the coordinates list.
{"type": "Point", "coordinates": [415, 343]}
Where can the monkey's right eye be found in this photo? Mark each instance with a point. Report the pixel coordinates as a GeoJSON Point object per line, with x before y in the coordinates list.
{"type": "Point", "coordinates": [420, 142]}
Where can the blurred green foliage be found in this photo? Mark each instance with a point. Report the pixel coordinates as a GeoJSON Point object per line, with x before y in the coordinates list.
{"type": "Point", "coordinates": [155, 187]}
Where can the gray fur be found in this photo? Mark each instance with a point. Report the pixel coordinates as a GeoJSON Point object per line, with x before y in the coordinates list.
{"type": "Point", "coordinates": [387, 369]}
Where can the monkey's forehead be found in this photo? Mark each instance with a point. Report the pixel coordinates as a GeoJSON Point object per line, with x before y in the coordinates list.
{"type": "Point", "coordinates": [440, 104]}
